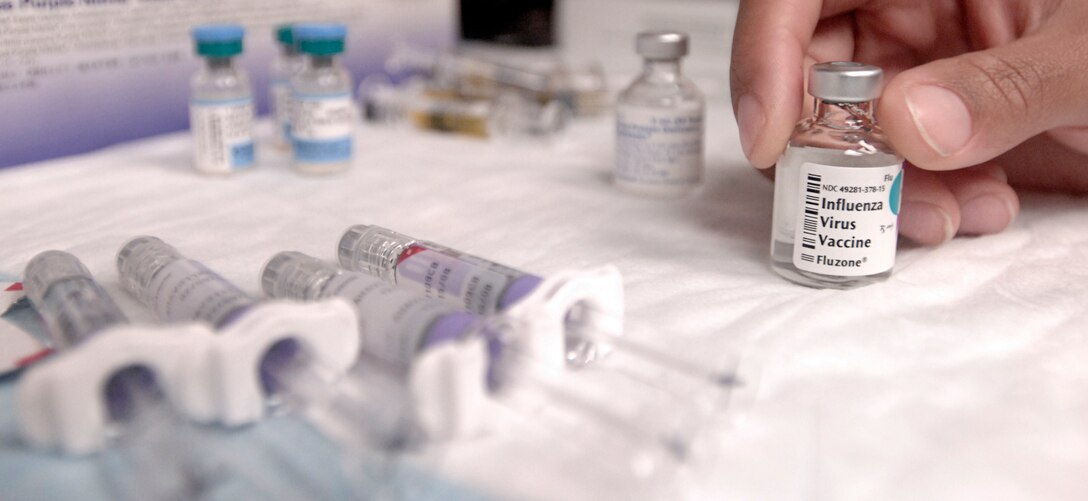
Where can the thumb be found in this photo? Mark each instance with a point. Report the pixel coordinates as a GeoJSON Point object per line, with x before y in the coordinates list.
{"type": "Point", "coordinates": [965, 110]}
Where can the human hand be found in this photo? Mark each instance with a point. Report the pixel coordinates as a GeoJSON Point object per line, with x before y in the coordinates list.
{"type": "Point", "coordinates": [980, 95]}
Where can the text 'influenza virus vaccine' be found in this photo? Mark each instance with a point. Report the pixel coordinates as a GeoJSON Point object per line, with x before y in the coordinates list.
{"type": "Point", "coordinates": [837, 186]}
{"type": "Point", "coordinates": [659, 123]}
{"type": "Point", "coordinates": [221, 106]}
{"type": "Point", "coordinates": [287, 63]}
{"type": "Point", "coordinates": [322, 111]}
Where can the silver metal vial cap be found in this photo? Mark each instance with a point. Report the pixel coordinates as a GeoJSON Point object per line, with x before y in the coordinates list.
{"type": "Point", "coordinates": [845, 82]}
{"type": "Point", "coordinates": [662, 44]}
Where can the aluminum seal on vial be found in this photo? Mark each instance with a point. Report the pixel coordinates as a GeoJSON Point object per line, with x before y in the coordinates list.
{"type": "Point", "coordinates": [845, 82]}
{"type": "Point", "coordinates": [48, 268]}
{"type": "Point", "coordinates": [294, 275]}
{"type": "Point", "coordinates": [662, 45]}
{"type": "Point", "coordinates": [372, 249]}
{"type": "Point", "coordinates": [139, 260]}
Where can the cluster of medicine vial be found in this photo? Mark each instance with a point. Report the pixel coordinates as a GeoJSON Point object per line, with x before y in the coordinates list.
{"type": "Point", "coordinates": [837, 186]}
{"type": "Point", "coordinates": [311, 100]}
{"type": "Point", "coordinates": [473, 95]}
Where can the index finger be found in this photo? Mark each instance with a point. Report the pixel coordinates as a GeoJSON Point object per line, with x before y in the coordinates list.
{"type": "Point", "coordinates": [767, 70]}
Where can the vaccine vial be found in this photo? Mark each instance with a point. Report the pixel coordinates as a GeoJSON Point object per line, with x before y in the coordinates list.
{"type": "Point", "coordinates": [72, 304]}
{"type": "Point", "coordinates": [286, 64]}
{"type": "Point", "coordinates": [475, 284]}
{"type": "Point", "coordinates": [659, 123]}
{"type": "Point", "coordinates": [837, 186]}
{"type": "Point", "coordinates": [322, 111]}
{"type": "Point", "coordinates": [395, 323]}
{"type": "Point", "coordinates": [175, 288]}
{"type": "Point", "coordinates": [221, 106]}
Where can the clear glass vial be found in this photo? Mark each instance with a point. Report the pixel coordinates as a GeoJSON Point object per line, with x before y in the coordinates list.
{"type": "Point", "coordinates": [286, 64]}
{"type": "Point", "coordinates": [221, 104]}
{"type": "Point", "coordinates": [837, 186]}
{"type": "Point", "coordinates": [322, 111]}
{"type": "Point", "coordinates": [659, 123]}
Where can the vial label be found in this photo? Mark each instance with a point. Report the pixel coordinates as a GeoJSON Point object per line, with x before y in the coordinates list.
{"type": "Point", "coordinates": [659, 146]}
{"type": "Point", "coordinates": [846, 219]}
{"type": "Point", "coordinates": [393, 322]}
{"type": "Point", "coordinates": [185, 290]}
{"type": "Point", "coordinates": [322, 127]}
{"type": "Point", "coordinates": [446, 275]}
{"type": "Point", "coordinates": [222, 135]}
{"type": "Point", "coordinates": [281, 106]}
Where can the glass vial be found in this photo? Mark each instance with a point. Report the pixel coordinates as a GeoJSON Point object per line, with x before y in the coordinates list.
{"type": "Point", "coordinates": [71, 303]}
{"type": "Point", "coordinates": [659, 123]}
{"type": "Point", "coordinates": [837, 186]}
{"type": "Point", "coordinates": [286, 64]}
{"type": "Point", "coordinates": [395, 324]}
{"type": "Point", "coordinates": [221, 104]}
{"type": "Point", "coordinates": [322, 111]}
{"type": "Point", "coordinates": [175, 288]}
{"type": "Point", "coordinates": [476, 284]}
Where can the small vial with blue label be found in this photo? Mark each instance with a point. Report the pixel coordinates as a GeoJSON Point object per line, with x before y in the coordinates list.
{"type": "Point", "coordinates": [659, 123]}
{"type": "Point", "coordinates": [837, 186]}
{"type": "Point", "coordinates": [286, 64]}
{"type": "Point", "coordinates": [221, 106]}
{"type": "Point", "coordinates": [323, 114]}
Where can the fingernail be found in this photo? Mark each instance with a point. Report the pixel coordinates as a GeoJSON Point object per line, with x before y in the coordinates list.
{"type": "Point", "coordinates": [941, 117]}
{"type": "Point", "coordinates": [925, 223]}
{"type": "Point", "coordinates": [750, 121]}
{"type": "Point", "coordinates": [984, 215]}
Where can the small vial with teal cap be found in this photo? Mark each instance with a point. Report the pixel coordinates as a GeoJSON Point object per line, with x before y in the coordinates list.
{"type": "Point", "coordinates": [286, 64]}
{"type": "Point", "coordinates": [323, 114]}
{"type": "Point", "coordinates": [221, 104]}
{"type": "Point", "coordinates": [837, 186]}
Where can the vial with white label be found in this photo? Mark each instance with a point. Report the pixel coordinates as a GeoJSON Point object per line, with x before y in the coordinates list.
{"type": "Point", "coordinates": [395, 324]}
{"type": "Point", "coordinates": [322, 111]}
{"type": "Point", "coordinates": [221, 104]}
{"type": "Point", "coordinates": [659, 123]}
{"type": "Point", "coordinates": [837, 186]}
{"type": "Point", "coordinates": [286, 64]}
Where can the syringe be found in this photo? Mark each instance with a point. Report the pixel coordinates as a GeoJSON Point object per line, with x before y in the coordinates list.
{"type": "Point", "coordinates": [142, 422]}
{"type": "Point", "coordinates": [405, 327]}
{"type": "Point", "coordinates": [485, 287]}
{"type": "Point", "coordinates": [291, 373]}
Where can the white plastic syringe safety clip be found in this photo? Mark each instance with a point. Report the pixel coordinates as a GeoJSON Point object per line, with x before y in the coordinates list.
{"type": "Point", "coordinates": [62, 402]}
{"type": "Point", "coordinates": [327, 331]}
{"type": "Point", "coordinates": [568, 319]}
{"type": "Point", "coordinates": [448, 384]}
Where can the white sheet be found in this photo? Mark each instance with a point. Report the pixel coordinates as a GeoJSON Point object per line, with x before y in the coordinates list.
{"type": "Point", "coordinates": [962, 377]}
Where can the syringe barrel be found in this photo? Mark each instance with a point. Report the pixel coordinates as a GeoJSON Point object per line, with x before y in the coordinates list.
{"type": "Point", "coordinates": [176, 288]}
{"type": "Point", "coordinates": [395, 324]}
{"type": "Point", "coordinates": [475, 284]}
{"type": "Point", "coordinates": [72, 304]}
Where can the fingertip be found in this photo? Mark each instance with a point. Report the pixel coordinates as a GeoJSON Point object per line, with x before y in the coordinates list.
{"type": "Point", "coordinates": [925, 223]}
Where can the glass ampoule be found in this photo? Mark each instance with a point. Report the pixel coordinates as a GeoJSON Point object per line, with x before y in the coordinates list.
{"type": "Point", "coordinates": [659, 123]}
{"type": "Point", "coordinates": [322, 110]}
{"type": "Point", "coordinates": [287, 63]}
{"type": "Point", "coordinates": [837, 186]}
{"type": "Point", "coordinates": [221, 103]}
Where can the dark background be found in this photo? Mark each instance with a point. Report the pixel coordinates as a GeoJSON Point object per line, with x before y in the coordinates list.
{"type": "Point", "coordinates": [511, 22]}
